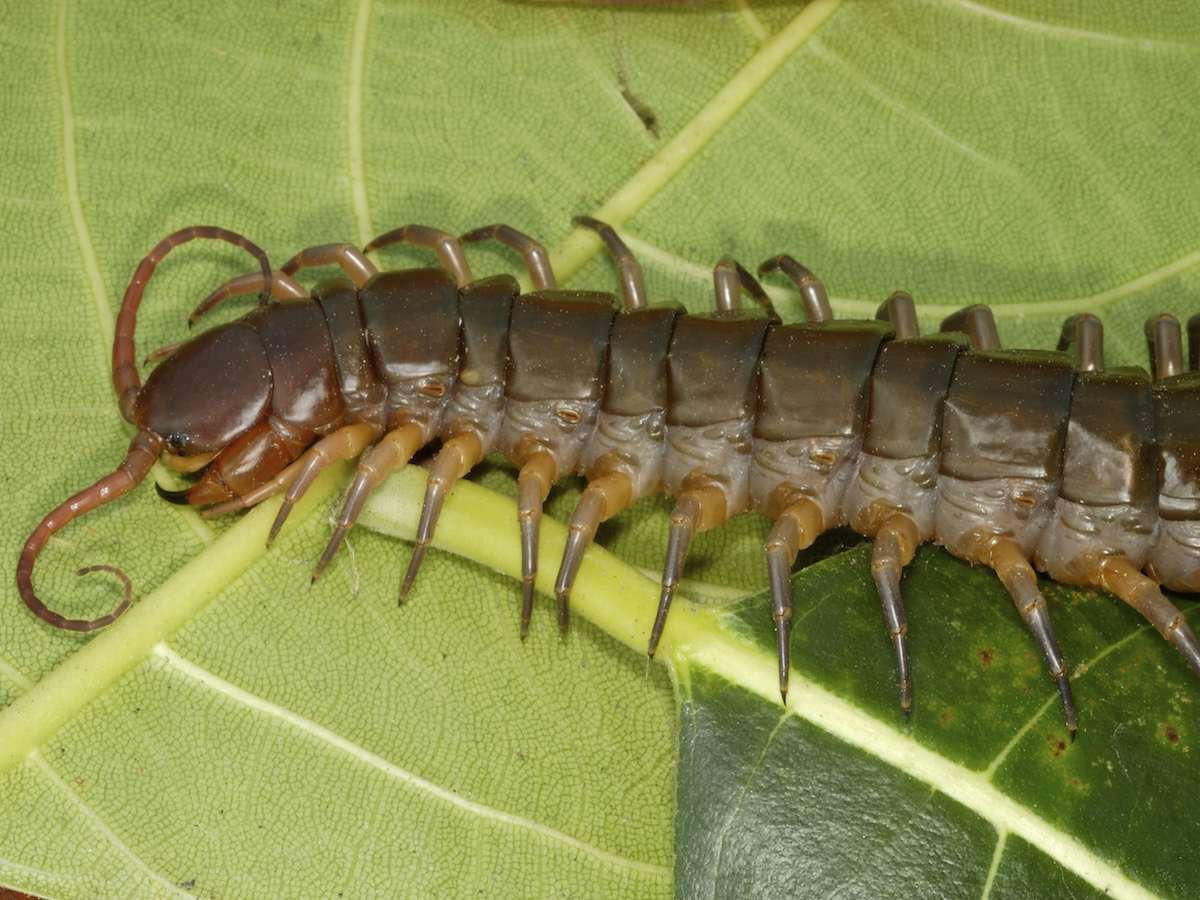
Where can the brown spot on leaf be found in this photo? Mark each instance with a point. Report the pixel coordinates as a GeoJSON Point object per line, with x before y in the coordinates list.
{"type": "Point", "coordinates": [985, 656]}
{"type": "Point", "coordinates": [1057, 745]}
{"type": "Point", "coordinates": [947, 716]}
{"type": "Point", "coordinates": [1172, 734]}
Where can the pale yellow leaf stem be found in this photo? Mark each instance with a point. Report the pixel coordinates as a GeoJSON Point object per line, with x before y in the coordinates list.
{"type": "Point", "coordinates": [583, 243]}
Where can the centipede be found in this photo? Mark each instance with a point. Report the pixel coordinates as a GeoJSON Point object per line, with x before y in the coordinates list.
{"type": "Point", "coordinates": [1013, 459]}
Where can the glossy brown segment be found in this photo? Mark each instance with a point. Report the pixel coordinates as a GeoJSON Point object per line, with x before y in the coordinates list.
{"type": "Point", "coordinates": [637, 349]}
{"type": "Point", "coordinates": [226, 376]}
{"type": "Point", "coordinates": [908, 388]}
{"type": "Point", "coordinates": [1111, 456]}
{"type": "Point", "coordinates": [557, 345]}
{"type": "Point", "coordinates": [711, 367]}
{"type": "Point", "coordinates": [812, 381]}
{"type": "Point", "coordinates": [1006, 415]}
{"type": "Point", "coordinates": [363, 393]}
{"type": "Point", "coordinates": [304, 377]}
{"type": "Point", "coordinates": [1176, 412]}
{"type": "Point", "coordinates": [476, 410]}
{"type": "Point", "coordinates": [1004, 424]}
{"type": "Point", "coordinates": [411, 322]}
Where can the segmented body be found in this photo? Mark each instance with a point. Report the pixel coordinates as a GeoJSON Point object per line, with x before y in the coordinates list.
{"type": "Point", "coordinates": [1001, 456]}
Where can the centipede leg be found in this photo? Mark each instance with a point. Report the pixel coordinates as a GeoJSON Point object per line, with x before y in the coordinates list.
{"type": "Point", "coordinates": [895, 545]}
{"type": "Point", "coordinates": [283, 287]}
{"type": "Point", "coordinates": [457, 457]}
{"type": "Point", "coordinates": [537, 261]}
{"type": "Point", "coordinates": [348, 257]}
{"type": "Point", "coordinates": [447, 247]}
{"type": "Point", "coordinates": [900, 310]}
{"type": "Point", "coordinates": [812, 291]}
{"type": "Point", "coordinates": [603, 498]}
{"type": "Point", "coordinates": [979, 324]}
{"type": "Point", "coordinates": [697, 509]}
{"type": "Point", "coordinates": [1118, 575]}
{"type": "Point", "coordinates": [1087, 332]}
{"type": "Point", "coordinates": [796, 528]}
{"type": "Point", "coordinates": [395, 449]}
{"type": "Point", "coordinates": [1165, 341]}
{"type": "Point", "coordinates": [533, 485]}
{"type": "Point", "coordinates": [1005, 557]}
{"type": "Point", "coordinates": [629, 270]}
{"type": "Point", "coordinates": [345, 443]}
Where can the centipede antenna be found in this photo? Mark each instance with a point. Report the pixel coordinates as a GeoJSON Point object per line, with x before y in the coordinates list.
{"type": "Point", "coordinates": [143, 451]}
{"type": "Point", "coordinates": [900, 310]}
{"type": "Point", "coordinates": [447, 247]}
{"type": "Point", "coordinates": [633, 283]}
{"type": "Point", "coordinates": [537, 260]}
{"type": "Point", "coordinates": [1165, 343]}
{"type": "Point", "coordinates": [979, 325]}
{"type": "Point", "coordinates": [1087, 331]}
{"type": "Point", "coordinates": [126, 380]}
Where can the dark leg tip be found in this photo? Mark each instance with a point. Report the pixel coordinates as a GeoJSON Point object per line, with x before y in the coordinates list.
{"type": "Point", "coordinates": [179, 498]}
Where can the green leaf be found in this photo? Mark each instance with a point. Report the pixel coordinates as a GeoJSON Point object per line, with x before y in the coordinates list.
{"type": "Point", "coordinates": [284, 740]}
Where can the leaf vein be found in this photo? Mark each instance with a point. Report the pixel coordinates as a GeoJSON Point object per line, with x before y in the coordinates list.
{"type": "Point", "coordinates": [354, 126]}
{"type": "Point", "coordinates": [219, 685]}
{"type": "Point", "coordinates": [102, 827]}
{"type": "Point", "coordinates": [87, 251]}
